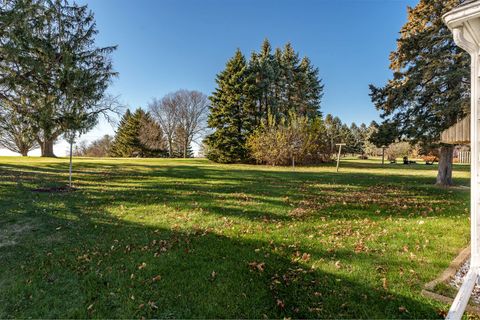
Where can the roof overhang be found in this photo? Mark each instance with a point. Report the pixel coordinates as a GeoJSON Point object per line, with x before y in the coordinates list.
{"type": "Point", "coordinates": [464, 22]}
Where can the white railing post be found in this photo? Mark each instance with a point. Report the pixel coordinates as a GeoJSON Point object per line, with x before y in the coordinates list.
{"type": "Point", "coordinates": [464, 22]}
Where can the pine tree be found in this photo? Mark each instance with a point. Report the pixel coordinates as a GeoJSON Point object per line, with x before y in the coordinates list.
{"type": "Point", "coordinates": [429, 90]}
{"type": "Point", "coordinates": [309, 89]}
{"type": "Point", "coordinates": [290, 77]}
{"type": "Point", "coordinates": [333, 128]}
{"type": "Point", "coordinates": [276, 85]}
{"type": "Point", "coordinates": [263, 69]}
{"type": "Point", "coordinates": [228, 113]}
{"type": "Point", "coordinates": [370, 148]}
{"type": "Point", "coordinates": [121, 142]}
{"type": "Point", "coordinates": [138, 136]}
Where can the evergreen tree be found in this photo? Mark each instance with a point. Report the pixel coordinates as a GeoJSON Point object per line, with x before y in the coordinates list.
{"type": "Point", "coordinates": [138, 136]}
{"type": "Point", "coordinates": [309, 90]}
{"type": "Point", "coordinates": [369, 147]}
{"type": "Point", "coordinates": [278, 85]}
{"type": "Point", "coordinates": [263, 69]}
{"type": "Point", "coordinates": [385, 134]}
{"type": "Point", "coordinates": [228, 114]}
{"type": "Point", "coordinates": [429, 90]}
{"type": "Point", "coordinates": [347, 137]}
{"type": "Point", "coordinates": [333, 128]}
{"type": "Point", "coordinates": [49, 57]}
{"type": "Point", "coordinates": [123, 137]}
{"type": "Point", "coordinates": [356, 139]}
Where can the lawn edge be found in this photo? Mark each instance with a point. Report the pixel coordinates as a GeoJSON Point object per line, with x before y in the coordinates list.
{"type": "Point", "coordinates": [428, 290]}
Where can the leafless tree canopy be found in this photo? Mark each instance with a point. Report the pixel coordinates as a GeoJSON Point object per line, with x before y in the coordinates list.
{"type": "Point", "coordinates": [182, 116]}
{"type": "Point", "coordinates": [97, 148]}
{"type": "Point", "coordinates": [151, 135]}
{"type": "Point", "coordinates": [16, 134]}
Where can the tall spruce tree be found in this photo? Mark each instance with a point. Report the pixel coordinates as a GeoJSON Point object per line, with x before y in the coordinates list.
{"type": "Point", "coordinates": [123, 136]}
{"type": "Point", "coordinates": [228, 114]}
{"type": "Point", "coordinates": [48, 57]}
{"type": "Point", "coordinates": [429, 90]}
{"type": "Point", "coordinates": [264, 69]}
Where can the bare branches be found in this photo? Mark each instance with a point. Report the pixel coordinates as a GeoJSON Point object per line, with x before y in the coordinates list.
{"type": "Point", "coordinates": [182, 115]}
{"type": "Point", "coordinates": [16, 134]}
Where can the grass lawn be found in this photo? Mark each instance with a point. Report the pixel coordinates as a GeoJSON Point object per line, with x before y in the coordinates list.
{"type": "Point", "coordinates": [193, 239]}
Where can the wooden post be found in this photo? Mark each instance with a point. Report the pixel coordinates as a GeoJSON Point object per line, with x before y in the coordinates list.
{"type": "Point", "coordinates": [339, 153]}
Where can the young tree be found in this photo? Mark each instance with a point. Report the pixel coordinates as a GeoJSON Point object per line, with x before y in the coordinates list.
{"type": "Point", "coordinates": [299, 141]}
{"type": "Point", "coordinates": [429, 90]}
{"type": "Point", "coordinates": [228, 114]}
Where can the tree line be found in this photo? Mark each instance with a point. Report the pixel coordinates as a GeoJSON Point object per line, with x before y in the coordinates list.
{"type": "Point", "coordinates": [54, 80]}
{"type": "Point", "coordinates": [168, 129]}
{"type": "Point", "coordinates": [273, 86]}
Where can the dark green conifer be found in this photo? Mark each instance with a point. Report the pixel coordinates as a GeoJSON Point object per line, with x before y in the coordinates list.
{"type": "Point", "coordinates": [228, 114]}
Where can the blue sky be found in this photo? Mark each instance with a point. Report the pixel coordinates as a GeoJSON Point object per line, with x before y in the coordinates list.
{"type": "Point", "coordinates": [165, 45]}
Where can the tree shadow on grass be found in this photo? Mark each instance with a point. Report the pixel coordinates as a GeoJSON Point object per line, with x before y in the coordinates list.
{"type": "Point", "coordinates": [247, 193]}
{"type": "Point", "coordinates": [79, 260]}
{"type": "Point", "coordinates": [106, 267]}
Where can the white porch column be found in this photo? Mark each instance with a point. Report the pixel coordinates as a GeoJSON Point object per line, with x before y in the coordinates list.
{"type": "Point", "coordinates": [464, 22]}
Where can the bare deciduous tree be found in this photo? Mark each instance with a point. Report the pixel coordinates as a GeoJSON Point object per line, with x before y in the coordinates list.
{"type": "Point", "coordinates": [165, 112]}
{"type": "Point", "coordinates": [15, 133]}
{"type": "Point", "coordinates": [192, 117]}
{"type": "Point", "coordinates": [182, 115]}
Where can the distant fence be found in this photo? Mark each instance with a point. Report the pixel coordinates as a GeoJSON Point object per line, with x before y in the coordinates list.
{"type": "Point", "coordinates": [463, 157]}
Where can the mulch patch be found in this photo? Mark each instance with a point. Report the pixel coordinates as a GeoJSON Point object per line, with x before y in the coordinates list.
{"type": "Point", "coordinates": [58, 189]}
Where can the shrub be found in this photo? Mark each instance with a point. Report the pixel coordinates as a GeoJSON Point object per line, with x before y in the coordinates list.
{"type": "Point", "coordinates": [296, 141]}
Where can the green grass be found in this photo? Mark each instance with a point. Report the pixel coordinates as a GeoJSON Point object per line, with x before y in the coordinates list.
{"type": "Point", "coordinates": [193, 239]}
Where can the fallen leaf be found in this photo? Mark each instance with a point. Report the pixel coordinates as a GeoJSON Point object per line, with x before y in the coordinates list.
{"type": "Point", "coordinates": [385, 283]}
{"type": "Point", "coordinates": [280, 304]}
{"type": "Point", "coordinates": [306, 257]}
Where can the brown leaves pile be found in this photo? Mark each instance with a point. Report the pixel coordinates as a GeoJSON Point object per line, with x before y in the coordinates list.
{"type": "Point", "coordinates": [257, 266]}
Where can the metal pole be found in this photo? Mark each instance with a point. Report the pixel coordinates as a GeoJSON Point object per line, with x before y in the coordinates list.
{"type": "Point", "coordinates": [70, 170]}
{"type": "Point", "coordinates": [338, 158]}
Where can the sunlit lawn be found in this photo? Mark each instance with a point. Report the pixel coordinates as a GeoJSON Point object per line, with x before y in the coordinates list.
{"type": "Point", "coordinates": [189, 238]}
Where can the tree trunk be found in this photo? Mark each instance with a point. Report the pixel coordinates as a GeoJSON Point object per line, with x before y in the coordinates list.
{"type": "Point", "coordinates": [170, 147]}
{"type": "Point", "coordinates": [445, 164]}
{"type": "Point", "coordinates": [46, 147]}
{"type": "Point", "coordinates": [185, 148]}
